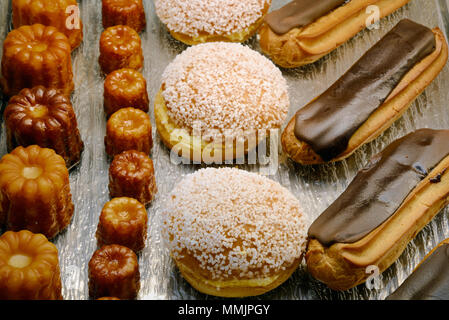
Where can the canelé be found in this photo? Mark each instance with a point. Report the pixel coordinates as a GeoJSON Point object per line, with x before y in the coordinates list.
{"type": "Point", "coordinates": [29, 267]}
{"type": "Point", "coordinates": [128, 129]}
{"type": "Point", "coordinates": [35, 191]}
{"type": "Point", "coordinates": [44, 117]}
{"type": "Point", "coordinates": [120, 47]}
{"type": "Point", "coordinates": [61, 14]}
{"type": "Point", "coordinates": [131, 174]}
{"type": "Point", "coordinates": [125, 88]}
{"type": "Point", "coordinates": [114, 271]}
{"type": "Point", "coordinates": [36, 55]}
{"type": "Point", "coordinates": [124, 12]}
{"type": "Point", "coordinates": [123, 221]}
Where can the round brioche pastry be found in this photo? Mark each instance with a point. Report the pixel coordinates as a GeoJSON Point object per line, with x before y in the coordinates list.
{"type": "Point", "coordinates": [219, 101]}
{"type": "Point", "coordinates": [199, 21]}
{"type": "Point", "coordinates": [44, 117]}
{"type": "Point", "coordinates": [125, 88]}
{"type": "Point", "coordinates": [233, 233]}
{"type": "Point", "coordinates": [128, 129]}
{"type": "Point", "coordinates": [61, 14]}
{"type": "Point", "coordinates": [35, 191]}
{"type": "Point", "coordinates": [120, 47]}
{"type": "Point", "coordinates": [123, 221]}
{"type": "Point", "coordinates": [36, 55]}
{"type": "Point", "coordinates": [29, 267]}
{"type": "Point", "coordinates": [124, 12]}
{"type": "Point", "coordinates": [114, 271]}
{"type": "Point", "coordinates": [131, 174]}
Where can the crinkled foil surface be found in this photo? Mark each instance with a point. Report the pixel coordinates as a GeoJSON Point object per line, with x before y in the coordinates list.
{"type": "Point", "coordinates": [316, 187]}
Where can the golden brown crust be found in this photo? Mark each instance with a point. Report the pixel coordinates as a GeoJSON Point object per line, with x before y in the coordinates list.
{"type": "Point", "coordinates": [28, 12]}
{"type": "Point", "coordinates": [128, 129]}
{"type": "Point", "coordinates": [108, 298]}
{"type": "Point", "coordinates": [35, 180]}
{"type": "Point", "coordinates": [120, 47]}
{"type": "Point", "coordinates": [114, 271]}
{"type": "Point", "coordinates": [301, 46]}
{"type": "Point", "coordinates": [131, 174]}
{"type": "Point", "coordinates": [125, 88]}
{"type": "Point", "coordinates": [124, 12]}
{"type": "Point", "coordinates": [123, 221]}
{"type": "Point", "coordinates": [232, 288]}
{"type": "Point", "coordinates": [44, 117]}
{"type": "Point", "coordinates": [29, 267]}
{"type": "Point", "coordinates": [343, 266]}
{"type": "Point", "coordinates": [410, 87]}
{"type": "Point", "coordinates": [36, 55]}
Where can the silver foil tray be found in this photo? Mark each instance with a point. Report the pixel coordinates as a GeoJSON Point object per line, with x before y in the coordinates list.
{"type": "Point", "coordinates": [316, 187]}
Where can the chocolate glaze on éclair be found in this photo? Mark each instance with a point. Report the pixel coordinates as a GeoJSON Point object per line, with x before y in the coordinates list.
{"type": "Point", "coordinates": [430, 281]}
{"type": "Point", "coordinates": [329, 121]}
{"type": "Point", "coordinates": [299, 13]}
{"type": "Point", "coordinates": [381, 187]}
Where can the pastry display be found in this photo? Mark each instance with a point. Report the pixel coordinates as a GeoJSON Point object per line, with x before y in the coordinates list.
{"type": "Point", "coordinates": [35, 191]}
{"type": "Point", "coordinates": [114, 271]}
{"type": "Point", "coordinates": [29, 267]}
{"type": "Point", "coordinates": [55, 13]}
{"type": "Point", "coordinates": [125, 88]}
{"type": "Point", "coordinates": [218, 101]}
{"type": "Point", "coordinates": [128, 129]}
{"type": "Point", "coordinates": [131, 174]}
{"type": "Point", "coordinates": [44, 117]}
{"type": "Point", "coordinates": [124, 12]}
{"type": "Point", "coordinates": [123, 221]}
{"type": "Point", "coordinates": [389, 201]}
{"type": "Point", "coordinates": [36, 55]}
{"type": "Point", "coordinates": [430, 280]}
{"type": "Point", "coordinates": [120, 47]}
{"type": "Point", "coordinates": [303, 31]}
{"type": "Point", "coordinates": [233, 233]}
{"type": "Point", "coordinates": [369, 97]}
{"type": "Point", "coordinates": [198, 21]}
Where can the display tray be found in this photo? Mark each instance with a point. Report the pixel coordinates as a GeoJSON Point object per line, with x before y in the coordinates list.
{"type": "Point", "coordinates": [316, 187]}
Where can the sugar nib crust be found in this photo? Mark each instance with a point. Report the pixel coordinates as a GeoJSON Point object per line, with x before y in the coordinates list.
{"type": "Point", "coordinates": [44, 117]}
{"type": "Point", "coordinates": [36, 55]}
{"type": "Point", "coordinates": [35, 179]}
{"type": "Point", "coordinates": [29, 267]}
{"type": "Point", "coordinates": [198, 22]}
{"type": "Point", "coordinates": [114, 271]}
{"type": "Point", "coordinates": [233, 233]}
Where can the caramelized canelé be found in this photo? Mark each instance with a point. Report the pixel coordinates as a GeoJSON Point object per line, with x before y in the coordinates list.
{"type": "Point", "coordinates": [128, 129]}
{"type": "Point", "coordinates": [36, 55]}
{"type": "Point", "coordinates": [120, 47]}
{"type": "Point", "coordinates": [114, 271]}
{"type": "Point", "coordinates": [35, 191]}
{"type": "Point", "coordinates": [61, 14]}
{"type": "Point", "coordinates": [131, 174]}
{"type": "Point", "coordinates": [125, 88]}
{"type": "Point", "coordinates": [123, 221]}
{"type": "Point", "coordinates": [124, 12]}
{"type": "Point", "coordinates": [44, 117]}
{"type": "Point", "coordinates": [29, 267]}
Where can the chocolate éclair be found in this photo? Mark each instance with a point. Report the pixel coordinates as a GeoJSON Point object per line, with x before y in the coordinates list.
{"type": "Point", "coordinates": [369, 97]}
{"type": "Point", "coordinates": [303, 31]}
{"type": "Point", "coordinates": [430, 280]}
{"type": "Point", "coordinates": [389, 201]}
